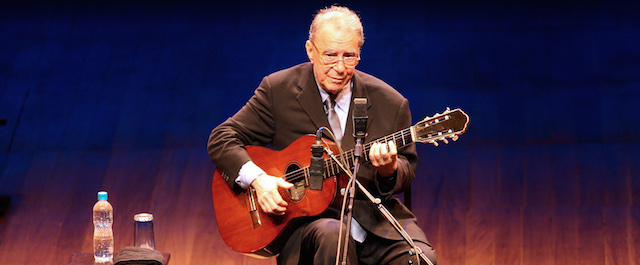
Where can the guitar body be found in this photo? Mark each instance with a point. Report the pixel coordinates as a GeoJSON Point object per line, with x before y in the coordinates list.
{"type": "Point", "coordinates": [242, 224]}
{"type": "Point", "coordinates": [246, 229]}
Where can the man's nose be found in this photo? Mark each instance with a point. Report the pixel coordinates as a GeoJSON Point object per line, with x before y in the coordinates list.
{"type": "Point", "coordinates": [339, 66]}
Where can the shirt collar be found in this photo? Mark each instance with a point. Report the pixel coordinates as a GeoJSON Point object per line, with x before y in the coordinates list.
{"type": "Point", "coordinates": [343, 99]}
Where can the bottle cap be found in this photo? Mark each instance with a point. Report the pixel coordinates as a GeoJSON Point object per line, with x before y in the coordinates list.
{"type": "Point", "coordinates": [102, 195]}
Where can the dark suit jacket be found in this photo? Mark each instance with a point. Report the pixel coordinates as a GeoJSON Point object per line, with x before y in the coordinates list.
{"type": "Point", "coordinates": [287, 105]}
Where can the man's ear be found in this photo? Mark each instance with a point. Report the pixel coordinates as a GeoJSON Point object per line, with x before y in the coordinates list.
{"type": "Point", "coordinates": [309, 48]}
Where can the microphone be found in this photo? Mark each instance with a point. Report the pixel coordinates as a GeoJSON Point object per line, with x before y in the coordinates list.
{"type": "Point", "coordinates": [316, 167]}
{"type": "Point", "coordinates": [360, 118]}
{"type": "Point", "coordinates": [319, 136]}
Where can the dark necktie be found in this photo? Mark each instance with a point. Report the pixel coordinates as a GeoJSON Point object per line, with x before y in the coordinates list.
{"type": "Point", "coordinates": [334, 121]}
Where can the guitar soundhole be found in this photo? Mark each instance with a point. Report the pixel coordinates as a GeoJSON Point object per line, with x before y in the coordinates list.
{"type": "Point", "coordinates": [298, 191]}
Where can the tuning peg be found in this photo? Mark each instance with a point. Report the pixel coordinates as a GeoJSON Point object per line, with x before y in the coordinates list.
{"type": "Point", "coordinates": [435, 143]}
{"type": "Point", "coordinates": [445, 140]}
{"type": "Point", "coordinates": [454, 138]}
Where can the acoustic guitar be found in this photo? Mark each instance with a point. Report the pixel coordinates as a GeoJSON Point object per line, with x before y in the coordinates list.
{"type": "Point", "coordinates": [246, 229]}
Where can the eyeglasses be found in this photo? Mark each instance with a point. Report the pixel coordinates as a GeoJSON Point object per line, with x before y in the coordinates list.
{"type": "Point", "coordinates": [330, 60]}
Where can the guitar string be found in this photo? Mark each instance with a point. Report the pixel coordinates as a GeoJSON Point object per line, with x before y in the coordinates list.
{"type": "Point", "coordinates": [349, 155]}
{"type": "Point", "coordinates": [300, 173]}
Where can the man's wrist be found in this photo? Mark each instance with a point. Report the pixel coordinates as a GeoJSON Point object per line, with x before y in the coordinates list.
{"type": "Point", "coordinates": [388, 183]}
{"type": "Point", "coordinates": [248, 173]}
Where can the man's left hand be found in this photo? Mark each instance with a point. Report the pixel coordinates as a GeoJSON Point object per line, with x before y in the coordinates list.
{"type": "Point", "coordinates": [384, 157]}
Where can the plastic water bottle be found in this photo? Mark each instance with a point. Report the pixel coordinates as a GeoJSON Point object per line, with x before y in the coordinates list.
{"type": "Point", "coordinates": [102, 229]}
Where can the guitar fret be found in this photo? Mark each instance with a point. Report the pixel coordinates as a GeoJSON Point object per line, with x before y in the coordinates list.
{"type": "Point", "coordinates": [400, 138]}
{"type": "Point", "coordinates": [408, 134]}
{"type": "Point", "coordinates": [413, 133]}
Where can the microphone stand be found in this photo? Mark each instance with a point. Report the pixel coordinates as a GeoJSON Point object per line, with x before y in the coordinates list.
{"type": "Point", "coordinates": [415, 250]}
{"type": "Point", "coordinates": [357, 153]}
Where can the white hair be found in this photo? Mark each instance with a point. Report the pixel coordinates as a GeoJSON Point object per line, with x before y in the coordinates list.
{"type": "Point", "coordinates": [339, 17]}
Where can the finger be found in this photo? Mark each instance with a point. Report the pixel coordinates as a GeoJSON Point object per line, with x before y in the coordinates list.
{"type": "Point", "coordinates": [284, 184]}
{"type": "Point", "coordinates": [277, 204]}
{"type": "Point", "coordinates": [389, 152]}
{"type": "Point", "coordinates": [271, 206]}
{"type": "Point", "coordinates": [381, 153]}
{"type": "Point", "coordinates": [384, 149]}
{"type": "Point", "coordinates": [278, 209]}
{"type": "Point", "coordinates": [264, 205]}
{"type": "Point", "coordinates": [267, 202]}
{"type": "Point", "coordinates": [393, 149]}
{"type": "Point", "coordinates": [269, 198]}
{"type": "Point", "coordinates": [374, 154]}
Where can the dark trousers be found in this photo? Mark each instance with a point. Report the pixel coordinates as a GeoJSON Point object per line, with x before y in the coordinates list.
{"type": "Point", "coordinates": [316, 243]}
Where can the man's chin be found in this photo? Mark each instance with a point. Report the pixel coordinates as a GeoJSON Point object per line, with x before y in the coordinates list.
{"type": "Point", "coordinates": [334, 87]}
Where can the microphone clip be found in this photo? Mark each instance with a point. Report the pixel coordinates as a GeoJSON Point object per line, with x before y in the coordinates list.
{"type": "Point", "coordinates": [316, 167]}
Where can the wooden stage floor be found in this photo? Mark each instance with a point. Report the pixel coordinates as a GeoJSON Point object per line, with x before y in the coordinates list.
{"type": "Point", "coordinates": [481, 204]}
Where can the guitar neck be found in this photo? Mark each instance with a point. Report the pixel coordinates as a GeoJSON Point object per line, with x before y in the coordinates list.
{"type": "Point", "coordinates": [401, 139]}
{"type": "Point", "coordinates": [448, 124]}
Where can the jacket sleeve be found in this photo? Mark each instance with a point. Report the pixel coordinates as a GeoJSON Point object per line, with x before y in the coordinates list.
{"type": "Point", "coordinates": [253, 124]}
{"type": "Point", "coordinates": [407, 159]}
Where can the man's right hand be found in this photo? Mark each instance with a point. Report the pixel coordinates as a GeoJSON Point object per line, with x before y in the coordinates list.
{"type": "Point", "coordinates": [269, 198]}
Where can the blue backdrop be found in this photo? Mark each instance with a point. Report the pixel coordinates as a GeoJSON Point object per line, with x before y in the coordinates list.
{"type": "Point", "coordinates": [157, 74]}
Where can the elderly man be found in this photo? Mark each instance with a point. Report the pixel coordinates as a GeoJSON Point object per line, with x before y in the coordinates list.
{"type": "Point", "coordinates": [295, 102]}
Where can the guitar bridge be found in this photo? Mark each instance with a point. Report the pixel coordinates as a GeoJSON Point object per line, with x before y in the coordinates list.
{"type": "Point", "coordinates": [253, 210]}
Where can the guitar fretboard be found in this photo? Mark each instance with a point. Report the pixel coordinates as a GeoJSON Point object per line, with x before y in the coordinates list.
{"type": "Point", "coordinates": [401, 139]}
{"type": "Point", "coordinates": [449, 124]}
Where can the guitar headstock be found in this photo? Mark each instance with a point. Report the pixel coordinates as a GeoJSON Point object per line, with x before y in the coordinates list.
{"type": "Point", "coordinates": [448, 124]}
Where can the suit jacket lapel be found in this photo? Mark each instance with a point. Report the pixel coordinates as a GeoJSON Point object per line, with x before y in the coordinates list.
{"type": "Point", "coordinates": [309, 98]}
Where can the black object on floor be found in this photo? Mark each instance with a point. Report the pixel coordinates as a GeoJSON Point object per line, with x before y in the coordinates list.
{"type": "Point", "coordinates": [5, 202]}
